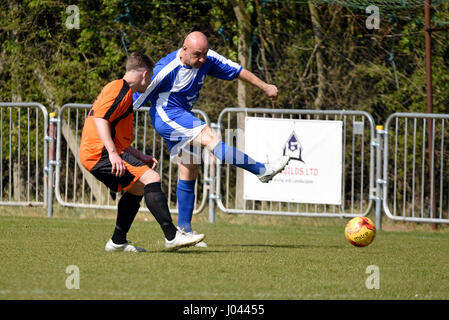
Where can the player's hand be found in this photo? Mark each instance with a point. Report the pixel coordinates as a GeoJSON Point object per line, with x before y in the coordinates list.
{"type": "Point", "coordinates": [150, 161]}
{"type": "Point", "coordinates": [271, 91]}
{"type": "Point", "coordinates": [118, 167]}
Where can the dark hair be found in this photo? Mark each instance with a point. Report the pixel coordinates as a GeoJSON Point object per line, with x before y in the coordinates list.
{"type": "Point", "coordinates": [138, 60]}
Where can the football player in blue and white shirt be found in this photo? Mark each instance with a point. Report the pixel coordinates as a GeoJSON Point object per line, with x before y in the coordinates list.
{"type": "Point", "coordinates": [174, 89]}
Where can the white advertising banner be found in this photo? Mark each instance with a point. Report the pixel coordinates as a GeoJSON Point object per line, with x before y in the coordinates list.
{"type": "Point", "coordinates": [314, 173]}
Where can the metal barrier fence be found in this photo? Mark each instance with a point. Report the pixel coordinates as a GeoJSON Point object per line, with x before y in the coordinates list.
{"type": "Point", "coordinates": [358, 155]}
{"type": "Point", "coordinates": [406, 175]}
{"type": "Point", "coordinates": [416, 167]}
{"type": "Point", "coordinates": [75, 187]}
{"type": "Point", "coordinates": [23, 154]}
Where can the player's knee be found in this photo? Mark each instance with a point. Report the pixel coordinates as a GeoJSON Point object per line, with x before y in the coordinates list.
{"type": "Point", "coordinates": [209, 138]}
{"type": "Point", "coordinates": [150, 176]}
{"type": "Point", "coordinates": [188, 171]}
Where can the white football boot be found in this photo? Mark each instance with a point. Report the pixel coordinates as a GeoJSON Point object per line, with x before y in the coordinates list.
{"type": "Point", "coordinates": [200, 244]}
{"type": "Point", "coordinates": [274, 168]}
{"type": "Point", "coordinates": [111, 246]}
{"type": "Point", "coordinates": [183, 239]}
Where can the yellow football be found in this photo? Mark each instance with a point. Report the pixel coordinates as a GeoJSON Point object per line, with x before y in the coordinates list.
{"type": "Point", "coordinates": [360, 231]}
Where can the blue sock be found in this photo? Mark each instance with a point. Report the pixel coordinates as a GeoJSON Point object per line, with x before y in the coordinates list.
{"type": "Point", "coordinates": [185, 193]}
{"type": "Point", "coordinates": [231, 155]}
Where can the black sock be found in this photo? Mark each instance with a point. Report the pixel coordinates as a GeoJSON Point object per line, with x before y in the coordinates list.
{"type": "Point", "coordinates": [156, 202]}
{"type": "Point", "coordinates": [128, 206]}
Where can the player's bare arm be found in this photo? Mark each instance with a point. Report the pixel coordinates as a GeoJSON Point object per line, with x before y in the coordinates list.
{"type": "Point", "coordinates": [145, 158]}
{"type": "Point", "coordinates": [271, 91]}
{"type": "Point", "coordinates": [104, 132]}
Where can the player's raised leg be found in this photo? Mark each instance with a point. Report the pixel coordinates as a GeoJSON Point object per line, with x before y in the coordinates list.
{"type": "Point", "coordinates": [230, 155]}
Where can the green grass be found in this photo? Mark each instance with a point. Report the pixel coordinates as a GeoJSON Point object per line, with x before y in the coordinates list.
{"type": "Point", "coordinates": [248, 258]}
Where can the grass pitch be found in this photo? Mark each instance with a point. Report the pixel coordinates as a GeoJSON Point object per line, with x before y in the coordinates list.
{"type": "Point", "coordinates": [247, 259]}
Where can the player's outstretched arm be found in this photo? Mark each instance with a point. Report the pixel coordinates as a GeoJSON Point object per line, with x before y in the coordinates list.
{"type": "Point", "coordinates": [271, 91]}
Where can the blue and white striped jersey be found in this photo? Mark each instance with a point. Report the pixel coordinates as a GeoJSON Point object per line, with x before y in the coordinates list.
{"type": "Point", "coordinates": [175, 85]}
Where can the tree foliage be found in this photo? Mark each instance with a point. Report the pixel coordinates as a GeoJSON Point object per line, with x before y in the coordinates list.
{"type": "Point", "coordinates": [43, 60]}
{"type": "Point", "coordinates": [320, 54]}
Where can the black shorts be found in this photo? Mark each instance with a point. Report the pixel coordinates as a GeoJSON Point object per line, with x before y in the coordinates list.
{"type": "Point", "coordinates": [135, 168]}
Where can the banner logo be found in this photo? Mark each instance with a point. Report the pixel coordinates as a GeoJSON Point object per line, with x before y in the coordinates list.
{"type": "Point", "coordinates": [293, 148]}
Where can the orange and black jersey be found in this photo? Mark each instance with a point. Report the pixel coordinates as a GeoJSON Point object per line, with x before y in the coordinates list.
{"type": "Point", "coordinates": [113, 104]}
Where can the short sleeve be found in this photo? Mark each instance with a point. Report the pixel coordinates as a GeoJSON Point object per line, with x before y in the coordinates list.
{"type": "Point", "coordinates": [221, 67]}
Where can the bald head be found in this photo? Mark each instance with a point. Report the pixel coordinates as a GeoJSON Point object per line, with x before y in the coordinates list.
{"type": "Point", "coordinates": [194, 49]}
{"type": "Point", "coordinates": [197, 39]}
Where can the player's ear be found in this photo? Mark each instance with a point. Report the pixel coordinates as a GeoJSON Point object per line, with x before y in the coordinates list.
{"type": "Point", "coordinates": [144, 74]}
{"type": "Point", "coordinates": [147, 74]}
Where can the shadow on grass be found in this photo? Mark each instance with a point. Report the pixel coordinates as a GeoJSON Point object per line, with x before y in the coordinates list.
{"type": "Point", "coordinates": [212, 248]}
{"type": "Point", "coordinates": [190, 251]}
{"type": "Point", "coordinates": [277, 246]}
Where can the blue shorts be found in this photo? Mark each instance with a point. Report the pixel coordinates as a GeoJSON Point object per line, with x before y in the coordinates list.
{"type": "Point", "coordinates": [178, 127]}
